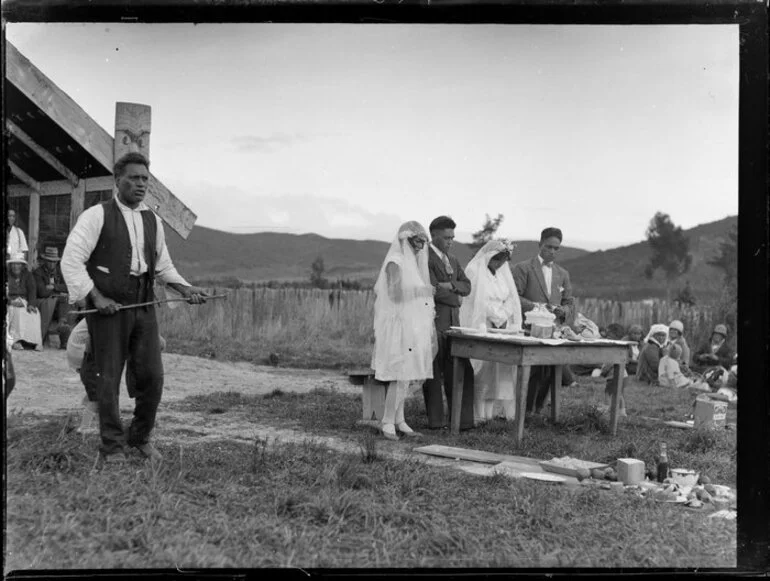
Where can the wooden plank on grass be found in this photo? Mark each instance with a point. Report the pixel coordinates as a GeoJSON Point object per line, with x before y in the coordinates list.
{"type": "Point", "coordinates": [478, 456]}
{"type": "Point", "coordinates": [675, 424]}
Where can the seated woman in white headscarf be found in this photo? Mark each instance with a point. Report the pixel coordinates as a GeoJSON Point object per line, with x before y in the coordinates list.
{"type": "Point", "coordinates": [404, 330]}
{"type": "Point", "coordinates": [493, 303]}
{"type": "Point", "coordinates": [652, 352]}
{"type": "Point", "coordinates": [22, 316]}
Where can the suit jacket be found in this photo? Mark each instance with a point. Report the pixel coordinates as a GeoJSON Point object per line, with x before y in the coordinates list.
{"type": "Point", "coordinates": [530, 283]}
{"type": "Point", "coordinates": [447, 301]}
{"type": "Point", "coordinates": [41, 281]}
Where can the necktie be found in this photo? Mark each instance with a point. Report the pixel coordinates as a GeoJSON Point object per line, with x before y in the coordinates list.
{"type": "Point", "coordinates": [447, 264]}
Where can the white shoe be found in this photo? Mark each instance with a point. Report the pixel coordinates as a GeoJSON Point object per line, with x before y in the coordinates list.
{"type": "Point", "coordinates": [407, 431]}
{"type": "Point", "coordinates": [389, 431]}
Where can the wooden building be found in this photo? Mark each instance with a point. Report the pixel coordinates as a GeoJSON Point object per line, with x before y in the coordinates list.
{"type": "Point", "coordinates": [59, 160]}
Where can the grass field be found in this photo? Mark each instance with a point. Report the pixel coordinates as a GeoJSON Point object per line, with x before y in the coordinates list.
{"type": "Point", "coordinates": [266, 504]}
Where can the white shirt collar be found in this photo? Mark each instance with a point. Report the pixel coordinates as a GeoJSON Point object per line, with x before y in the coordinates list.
{"type": "Point", "coordinates": [123, 208]}
{"type": "Point", "coordinates": [542, 262]}
{"type": "Point", "coordinates": [441, 255]}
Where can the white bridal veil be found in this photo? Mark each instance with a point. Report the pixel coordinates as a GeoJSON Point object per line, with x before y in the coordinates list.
{"type": "Point", "coordinates": [404, 330]}
{"type": "Point", "coordinates": [485, 287]}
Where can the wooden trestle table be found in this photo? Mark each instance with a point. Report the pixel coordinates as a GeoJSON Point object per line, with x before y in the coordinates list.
{"type": "Point", "coordinates": [524, 352]}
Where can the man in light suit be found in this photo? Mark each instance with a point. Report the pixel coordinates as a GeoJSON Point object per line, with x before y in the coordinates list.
{"type": "Point", "coordinates": [451, 284]}
{"type": "Point", "coordinates": [539, 280]}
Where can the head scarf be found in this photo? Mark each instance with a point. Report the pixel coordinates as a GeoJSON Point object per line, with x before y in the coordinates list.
{"type": "Point", "coordinates": [473, 311]}
{"type": "Point", "coordinates": [655, 329]}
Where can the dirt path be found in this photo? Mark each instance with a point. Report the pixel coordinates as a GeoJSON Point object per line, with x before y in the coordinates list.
{"type": "Point", "coordinates": [45, 384]}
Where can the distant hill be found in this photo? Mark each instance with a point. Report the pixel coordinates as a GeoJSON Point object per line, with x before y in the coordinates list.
{"type": "Point", "coordinates": [619, 273]}
{"type": "Point", "coordinates": [265, 256]}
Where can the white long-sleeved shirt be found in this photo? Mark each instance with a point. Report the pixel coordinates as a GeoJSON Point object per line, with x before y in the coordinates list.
{"type": "Point", "coordinates": [82, 240]}
{"type": "Point", "coordinates": [16, 241]}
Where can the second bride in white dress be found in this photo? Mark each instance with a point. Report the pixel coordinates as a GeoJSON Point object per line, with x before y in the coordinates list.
{"type": "Point", "coordinates": [494, 303]}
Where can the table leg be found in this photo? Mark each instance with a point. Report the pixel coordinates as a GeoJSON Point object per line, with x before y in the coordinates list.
{"type": "Point", "coordinates": [521, 402]}
{"type": "Point", "coordinates": [617, 378]}
{"type": "Point", "coordinates": [457, 395]}
{"type": "Point", "coordinates": [554, 396]}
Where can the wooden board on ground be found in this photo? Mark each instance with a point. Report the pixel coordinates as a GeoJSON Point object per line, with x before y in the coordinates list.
{"type": "Point", "coordinates": [550, 466]}
{"type": "Point", "coordinates": [478, 456]}
{"type": "Point", "coordinates": [684, 425]}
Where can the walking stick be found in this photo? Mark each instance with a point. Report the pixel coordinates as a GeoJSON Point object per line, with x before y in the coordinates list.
{"type": "Point", "coordinates": [175, 300]}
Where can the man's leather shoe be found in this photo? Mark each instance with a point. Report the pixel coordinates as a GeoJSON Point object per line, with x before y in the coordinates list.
{"type": "Point", "coordinates": [115, 459]}
{"type": "Point", "coordinates": [149, 452]}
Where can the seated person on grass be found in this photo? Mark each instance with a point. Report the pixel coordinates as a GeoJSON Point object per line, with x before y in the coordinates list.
{"type": "Point", "coordinates": [649, 358]}
{"type": "Point", "coordinates": [669, 372]}
{"type": "Point", "coordinates": [22, 316]}
{"type": "Point", "coordinates": [635, 334]}
{"type": "Point", "coordinates": [614, 332]}
{"type": "Point", "coordinates": [676, 335]}
{"type": "Point", "coordinates": [732, 377]}
{"type": "Point", "coordinates": [714, 353]}
{"type": "Point", "coordinates": [52, 296]}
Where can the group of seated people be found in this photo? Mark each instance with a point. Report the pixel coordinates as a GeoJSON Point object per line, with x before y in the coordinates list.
{"type": "Point", "coordinates": [663, 357]}
{"type": "Point", "coordinates": [35, 299]}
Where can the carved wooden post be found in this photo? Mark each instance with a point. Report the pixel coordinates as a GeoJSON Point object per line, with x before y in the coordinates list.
{"type": "Point", "coordinates": [78, 202]}
{"type": "Point", "coordinates": [132, 129]}
{"type": "Point", "coordinates": [132, 132]}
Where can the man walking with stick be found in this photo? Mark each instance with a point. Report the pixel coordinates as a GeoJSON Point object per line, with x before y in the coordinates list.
{"type": "Point", "coordinates": [113, 255]}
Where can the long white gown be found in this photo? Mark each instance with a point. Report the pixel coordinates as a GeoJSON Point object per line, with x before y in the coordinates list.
{"type": "Point", "coordinates": [494, 301]}
{"type": "Point", "coordinates": [404, 329]}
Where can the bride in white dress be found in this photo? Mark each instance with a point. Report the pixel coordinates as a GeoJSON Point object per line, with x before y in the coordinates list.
{"type": "Point", "coordinates": [404, 330]}
{"type": "Point", "coordinates": [494, 303]}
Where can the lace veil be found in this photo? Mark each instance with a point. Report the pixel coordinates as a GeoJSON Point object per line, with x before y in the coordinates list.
{"type": "Point", "coordinates": [404, 294]}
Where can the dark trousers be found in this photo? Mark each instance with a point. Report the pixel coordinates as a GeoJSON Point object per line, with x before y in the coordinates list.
{"type": "Point", "coordinates": [540, 380]}
{"type": "Point", "coordinates": [443, 374]}
{"type": "Point", "coordinates": [129, 337]}
{"type": "Point", "coordinates": [55, 309]}
{"type": "Point", "coordinates": [89, 377]}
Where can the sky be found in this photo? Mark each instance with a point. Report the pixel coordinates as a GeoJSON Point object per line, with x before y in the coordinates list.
{"type": "Point", "coordinates": [348, 130]}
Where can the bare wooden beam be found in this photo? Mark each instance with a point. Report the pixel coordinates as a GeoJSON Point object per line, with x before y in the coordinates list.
{"type": "Point", "coordinates": [24, 176]}
{"type": "Point", "coordinates": [34, 227]}
{"type": "Point", "coordinates": [78, 203]}
{"type": "Point", "coordinates": [41, 152]}
{"type": "Point", "coordinates": [178, 216]}
{"type": "Point", "coordinates": [59, 106]}
{"type": "Point", "coordinates": [68, 115]}
{"type": "Point", "coordinates": [132, 129]}
{"type": "Point", "coordinates": [62, 187]}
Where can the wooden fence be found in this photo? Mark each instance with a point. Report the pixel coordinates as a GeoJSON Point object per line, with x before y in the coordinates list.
{"type": "Point", "coordinates": [314, 314]}
{"type": "Point", "coordinates": [645, 313]}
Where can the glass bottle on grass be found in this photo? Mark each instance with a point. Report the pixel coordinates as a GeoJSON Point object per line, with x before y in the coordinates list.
{"type": "Point", "coordinates": [663, 463]}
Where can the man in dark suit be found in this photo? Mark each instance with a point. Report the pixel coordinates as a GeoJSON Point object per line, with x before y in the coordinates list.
{"type": "Point", "coordinates": [540, 281]}
{"type": "Point", "coordinates": [451, 284]}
